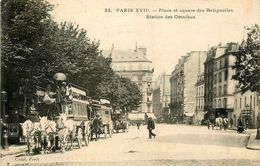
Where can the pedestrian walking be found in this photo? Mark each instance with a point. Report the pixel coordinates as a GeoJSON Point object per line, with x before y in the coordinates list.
{"type": "Point", "coordinates": [150, 127]}
{"type": "Point", "coordinates": [138, 125]}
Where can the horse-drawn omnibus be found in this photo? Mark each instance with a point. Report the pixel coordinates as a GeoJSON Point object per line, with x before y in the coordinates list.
{"type": "Point", "coordinates": [63, 124]}
{"type": "Point", "coordinates": [103, 109]}
{"type": "Point", "coordinates": [77, 109]}
{"type": "Point", "coordinates": [120, 121]}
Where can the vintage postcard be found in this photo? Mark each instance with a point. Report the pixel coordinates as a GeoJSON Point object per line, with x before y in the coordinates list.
{"type": "Point", "coordinates": [130, 82]}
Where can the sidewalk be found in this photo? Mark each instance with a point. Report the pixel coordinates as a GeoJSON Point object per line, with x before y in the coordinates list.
{"type": "Point", "coordinates": [253, 143]}
{"type": "Point", "coordinates": [13, 149]}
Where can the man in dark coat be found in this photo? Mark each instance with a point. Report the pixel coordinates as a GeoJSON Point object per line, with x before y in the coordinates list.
{"type": "Point", "coordinates": [96, 124]}
{"type": "Point", "coordinates": [150, 127]}
{"type": "Point", "coordinates": [240, 128]}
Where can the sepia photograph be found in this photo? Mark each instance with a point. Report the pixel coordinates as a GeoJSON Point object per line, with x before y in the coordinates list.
{"type": "Point", "coordinates": [130, 83]}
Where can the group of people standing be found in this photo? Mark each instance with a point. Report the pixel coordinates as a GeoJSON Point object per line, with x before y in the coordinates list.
{"type": "Point", "coordinates": [240, 126]}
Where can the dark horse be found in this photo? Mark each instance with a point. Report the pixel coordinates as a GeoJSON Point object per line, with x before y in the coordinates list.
{"type": "Point", "coordinates": [95, 128]}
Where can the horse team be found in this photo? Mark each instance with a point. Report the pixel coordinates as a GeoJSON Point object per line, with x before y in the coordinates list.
{"type": "Point", "coordinates": [220, 123]}
{"type": "Point", "coordinates": [48, 135]}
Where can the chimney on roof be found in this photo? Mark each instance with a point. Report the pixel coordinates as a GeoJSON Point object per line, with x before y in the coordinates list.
{"type": "Point", "coordinates": [112, 51]}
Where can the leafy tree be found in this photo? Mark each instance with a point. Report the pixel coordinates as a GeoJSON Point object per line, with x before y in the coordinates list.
{"type": "Point", "coordinates": [77, 57]}
{"type": "Point", "coordinates": [34, 48]}
{"type": "Point", "coordinates": [23, 24]}
{"type": "Point", "coordinates": [122, 92]}
{"type": "Point", "coordinates": [247, 63]}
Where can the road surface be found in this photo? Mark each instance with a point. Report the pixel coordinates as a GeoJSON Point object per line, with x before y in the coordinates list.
{"type": "Point", "coordinates": [173, 145]}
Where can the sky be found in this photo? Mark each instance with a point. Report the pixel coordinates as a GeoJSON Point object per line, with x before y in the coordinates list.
{"type": "Point", "coordinates": [166, 40]}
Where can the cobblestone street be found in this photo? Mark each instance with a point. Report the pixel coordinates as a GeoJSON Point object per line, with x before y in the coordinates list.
{"type": "Point", "coordinates": [162, 163]}
{"type": "Point", "coordinates": [173, 145]}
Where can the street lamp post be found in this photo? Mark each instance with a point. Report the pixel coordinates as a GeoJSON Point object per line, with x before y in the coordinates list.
{"type": "Point", "coordinates": [5, 135]}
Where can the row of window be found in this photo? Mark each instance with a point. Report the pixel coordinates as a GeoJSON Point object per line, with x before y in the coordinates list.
{"type": "Point", "coordinates": [219, 91]}
{"type": "Point", "coordinates": [218, 77]}
{"type": "Point", "coordinates": [129, 67]}
{"type": "Point", "coordinates": [200, 91]}
{"type": "Point", "coordinates": [241, 105]}
{"type": "Point", "coordinates": [200, 103]}
{"type": "Point", "coordinates": [220, 103]}
{"type": "Point", "coordinates": [221, 63]}
{"type": "Point", "coordinates": [77, 109]}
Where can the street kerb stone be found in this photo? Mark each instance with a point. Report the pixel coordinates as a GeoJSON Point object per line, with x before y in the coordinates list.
{"type": "Point", "coordinates": [253, 144]}
{"type": "Point", "coordinates": [154, 163]}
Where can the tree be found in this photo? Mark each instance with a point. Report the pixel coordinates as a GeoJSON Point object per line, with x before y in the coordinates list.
{"type": "Point", "coordinates": [247, 63]}
{"type": "Point", "coordinates": [34, 48]}
{"type": "Point", "coordinates": [122, 92]}
{"type": "Point", "coordinates": [23, 24]}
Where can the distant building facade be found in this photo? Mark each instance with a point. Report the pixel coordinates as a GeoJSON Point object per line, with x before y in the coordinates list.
{"type": "Point", "coordinates": [177, 88]}
{"type": "Point", "coordinates": [133, 64]}
{"type": "Point", "coordinates": [183, 84]}
{"type": "Point", "coordinates": [192, 68]}
{"type": "Point", "coordinates": [208, 79]}
{"type": "Point", "coordinates": [161, 95]}
{"type": "Point", "coordinates": [246, 107]}
{"type": "Point", "coordinates": [223, 84]}
{"type": "Point", "coordinates": [200, 87]}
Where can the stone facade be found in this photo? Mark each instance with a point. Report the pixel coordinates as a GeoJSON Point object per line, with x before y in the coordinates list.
{"type": "Point", "coordinates": [223, 84]}
{"type": "Point", "coordinates": [192, 68]}
{"type": "Point", "coordinates": [246, 107]}
{"type": "Point", "coordinates": [177, 87]}
{"type": "Point", "coordinates": [161, 95]}
{"type": "Point", "coordinates": [134, 65]}
{"type": "Point", "coordinates": [208, 79]}
{"type": "Point", "coordinates": [183, 84]}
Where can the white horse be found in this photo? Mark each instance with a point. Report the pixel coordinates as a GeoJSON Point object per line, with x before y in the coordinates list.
{"type": "Point", "coordinates": [225, 123]}
{"type": "Point", "coordinates": [31, 133]}
{"type": "Point", "coordinates": [219, 122]}
{"type": "Point", "coordinates": [66, 131]}
{"type": "Point", "coordinates": [83, 133]}
{"type": "Point", "coordinates": [48, 130]}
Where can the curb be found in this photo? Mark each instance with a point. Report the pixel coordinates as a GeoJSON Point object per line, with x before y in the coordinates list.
{"type": "Point", "coordinates": [250, 144]}
{"type": "Point", "coordinates": [12, 153]}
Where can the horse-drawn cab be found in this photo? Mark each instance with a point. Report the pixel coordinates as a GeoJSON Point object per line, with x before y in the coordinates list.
{"type": "Point", "coordinates": [103, 110]}
{"type": "Point", "coordinates": [119, 121]}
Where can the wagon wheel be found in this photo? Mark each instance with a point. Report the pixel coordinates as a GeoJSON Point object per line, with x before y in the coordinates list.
{"type": "Point", "coordinates": [105, 131]}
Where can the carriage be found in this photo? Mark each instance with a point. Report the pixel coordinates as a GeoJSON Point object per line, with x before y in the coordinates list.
{"type": "Point", "coordinates": [103, 109]}
{"type": "Point", "coordinates": [62, 131]}
{"type": "Point", "coordinates": [76, 110]}
{"type": "Point", "coordinates": [119, 121]}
